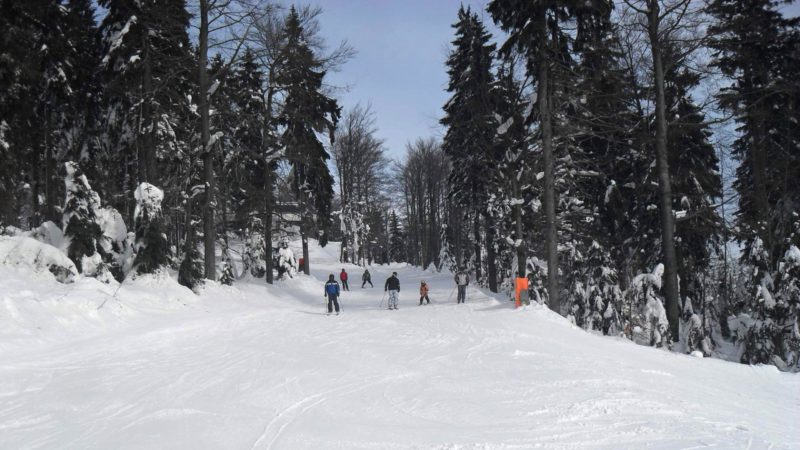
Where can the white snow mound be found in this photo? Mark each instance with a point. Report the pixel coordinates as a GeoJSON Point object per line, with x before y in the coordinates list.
{"type": "Point", "coordinates": [25, 252]}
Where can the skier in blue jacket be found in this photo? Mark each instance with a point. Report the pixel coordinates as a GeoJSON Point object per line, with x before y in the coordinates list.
{"type": "Point", "coordinates": [332, 294]}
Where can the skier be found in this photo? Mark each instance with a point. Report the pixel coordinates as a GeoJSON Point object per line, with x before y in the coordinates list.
{"type": "Point", "coordinates": [366, 278]}
{"type": "Point", "coordinates": [343, 277]}
{"type": "Point", "coordinates": [423, 293]}
{"type": "Point", "coordinates": [393, 287]}
{"type": "Point", "coordinates": [332, 294]}
{"type": "Point", "coordinates": [462, 280]}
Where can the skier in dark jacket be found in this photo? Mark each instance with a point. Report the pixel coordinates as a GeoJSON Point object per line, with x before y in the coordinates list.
{"type": "Point", "coordinates": [366, 278]}
{"type": "Point", "coordinates": [332, 294]}
{"type": "Point", "coordinates": [393, 287]}
{"type": "Point", "coordinates": [343, 277]}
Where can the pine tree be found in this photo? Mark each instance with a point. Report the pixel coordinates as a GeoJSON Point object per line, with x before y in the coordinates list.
{"type": "Point", "coordinates": [145, 69]}
{"type": "Point", "coordinates": [598, 297]}
{"type": "Point", "coordinates": [255, 250]}
{"type": "Point", "coordinates": [646, 314]}
{"type": "Point", "coordinates": [80, 221]}
{"type": "Point", "coordinates": [151, 241]}
{"type": "Point", "coordinates": [516, 202]}
{"type": "Point", "coordinates": [226, 277]}
{"type": "Point", "coordinates": [756, 47]}
{"type": "Point", "coordinates": [306, 112]}
{"type": "Point", "coordinates": [471, 124]}
{"type": "Point", "coordinates": [536, 30]}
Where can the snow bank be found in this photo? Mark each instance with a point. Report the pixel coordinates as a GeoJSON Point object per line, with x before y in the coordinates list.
{"type": "Point", "coordinates": [38, 257]}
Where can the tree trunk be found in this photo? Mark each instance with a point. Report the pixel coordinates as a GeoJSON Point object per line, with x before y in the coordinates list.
{"type": "Point", "coordinates": [491, 268]}
{"type": "Point", "coordinates": [520, 244]}
{"type": "Point", "coordinates": [304, 238]}
{"type": "Point", "coordinates": [664, 185]}
{"type": "Point", "coordinates": [49, 173]}
{"type": "Point", "coordinates": [268, 220]}
{"type": "Point", "coordinates": [268, 200]}
{"type": "Point", "coordinates": [208, 160]}
{"type": "Point", "coordinates": [543, 98]}
{"type": "Point", "coordinates": [476, 229]}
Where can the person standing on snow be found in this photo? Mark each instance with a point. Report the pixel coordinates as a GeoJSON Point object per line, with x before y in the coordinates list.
{"type": "Point", "coordinates": [423, 293]}
{"type": "Point", "coordinates": [366, 278]}
{"type": "Point", "coordinates": [462, 280]}
{"type": "Point", "coordinates": [393, 287]}
{"type": "Point", "coordinates": [332, 294]}
{"type": "Point", "coordinates": [343, 277]}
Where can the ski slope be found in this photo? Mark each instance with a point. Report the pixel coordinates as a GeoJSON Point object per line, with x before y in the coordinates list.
{"type": "Point", "coordinates": [251, 367]}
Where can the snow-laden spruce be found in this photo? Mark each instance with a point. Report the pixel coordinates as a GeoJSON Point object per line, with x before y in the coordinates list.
{"type": "Point", "coordinates": [151, 242]}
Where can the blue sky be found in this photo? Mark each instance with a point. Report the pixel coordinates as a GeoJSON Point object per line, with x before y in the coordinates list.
{"type": "Point", "coordinates": [399, 68]}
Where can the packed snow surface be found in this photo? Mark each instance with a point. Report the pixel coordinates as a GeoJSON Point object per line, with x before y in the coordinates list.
{"type": "Point", "coordinates": [243, 367]}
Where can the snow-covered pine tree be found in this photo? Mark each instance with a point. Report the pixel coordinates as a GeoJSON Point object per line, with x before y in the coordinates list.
{"type": "Point", "coordinates": [19, 79]}
{"type": "Point", "coordinates": [446, 259]}
{"type": "Point", "coordinates": [598, 297]}
{"type": "Point", "coordinates": [79, 222]}
{"type": "Point", "coordinates": [537, 30]}
{"type": "Point", "coordinates": [255, 250]}
{"type": "Point", "coordinates": [145, 67]}
{"type": "Point", "coordinates": [190, 272]}
{"type": "Point", "coordinates": [515, 200]}
{"type": "Point", "coordinates": [286, 262]}
{"type": "Point", "coordinates": [787, 310]}
{"type": "Point", "coordinates": [755, 328]}
{"type": "Point", "coordinates": [757, 47]}
{"type": "Point", "coordinates": [82, 51]}
{"type": "Point", "coordinates": [248, 133]}
{"type": "Point", "coordinates": [600, 120]}
{"type": "Point", "coordinates": [696, 184]}
{"type": "Point", "coordinates": [226, 277]}
{"type": "Point", "coordinates": [470, 125]}
{"type": "Point", "coordinates": [307, 111]}
{"type": "Point", "coordinates": [646, 316]}
{"type": "Point", "coordinates": [152, 252]}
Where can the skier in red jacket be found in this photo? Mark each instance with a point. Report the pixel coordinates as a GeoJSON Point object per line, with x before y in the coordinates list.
{"type": "Point", "coordinates": [343, 277]}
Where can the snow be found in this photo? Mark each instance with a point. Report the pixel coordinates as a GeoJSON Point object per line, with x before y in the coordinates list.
{"type": "Point", "coordinates": [37, 257]}
{"type": "Point", "coordinates": [51, 234]}
{"type": "Point", "coordinates": [792, 257]}
{"type": "Point", "coordinates": [115, 39]}
{"type": "Point", "coordinates": [505, 126]}
{"type": "Point", "coordinates": [148, 197]}
{"type": "Point", "coordinates": [150, 365]}
{"type": "Point", "coordinates": [4, 128]}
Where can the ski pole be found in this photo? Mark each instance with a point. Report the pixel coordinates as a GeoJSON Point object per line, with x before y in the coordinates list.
{"type": "Point", "coordinates": [382, 298]}
{"type": "Point", "coordinates": [451, 295]}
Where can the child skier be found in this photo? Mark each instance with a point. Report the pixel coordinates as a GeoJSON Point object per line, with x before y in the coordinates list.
{"type": "Point", "coordinates": [366, 278]}
{"type": "Point", "coordinates": [343, 277]}
{"type": "Point", "coordinates": [423, 293]}
{"type": "Point", "coordinates": [332, 294]}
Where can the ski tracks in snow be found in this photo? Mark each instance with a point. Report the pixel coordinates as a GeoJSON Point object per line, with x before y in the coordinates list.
{"type": "Point", "coordinates": [285, 417]}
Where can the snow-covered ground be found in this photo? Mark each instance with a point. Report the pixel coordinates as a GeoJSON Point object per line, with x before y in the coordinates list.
{"type": "Point", "coordinates": [254, 367]}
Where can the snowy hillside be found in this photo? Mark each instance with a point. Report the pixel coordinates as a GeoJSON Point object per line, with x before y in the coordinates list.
{"type": "Point", "coordinates": [254, 367]}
